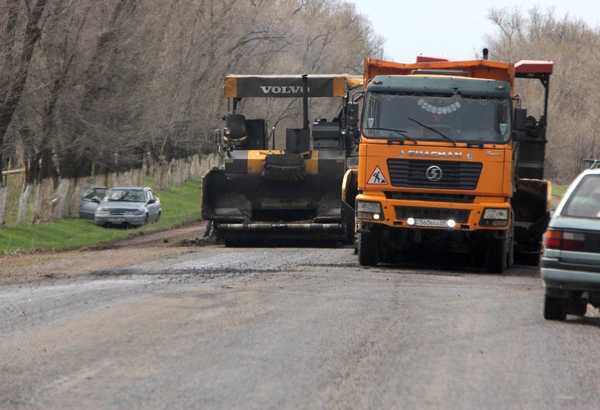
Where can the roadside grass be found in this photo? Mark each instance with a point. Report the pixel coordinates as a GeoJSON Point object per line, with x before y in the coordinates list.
{"type": "Point", "coordinates": [559, 190]}
{"type": "Point", "coordinates": [180, 205]}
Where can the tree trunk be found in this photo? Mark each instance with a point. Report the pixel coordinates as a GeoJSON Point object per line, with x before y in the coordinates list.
{"type": "Point", "coordinates": [3, 198]}
{"type": "Point", "coordinates": [23, 201]}
{"type": "Point", "coordinates": [162, 174]}
{"type": "Point", "coordinates": [176, 171]}
{"type": "Point", "coordinates": [44, 201]}
{"type": "Point", "coordinates": [17, 80]}
{"type": "Point", "coordinates": [61, 198]}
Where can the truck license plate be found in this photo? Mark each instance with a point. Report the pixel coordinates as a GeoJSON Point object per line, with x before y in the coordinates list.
{"type": "Point", "coordinates": [116, 220]}
{"type": "Point", "coordinates": [431, 222]}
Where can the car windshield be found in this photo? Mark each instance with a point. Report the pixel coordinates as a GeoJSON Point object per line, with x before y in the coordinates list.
{"type": "Point", "coordinates": [126, 195]}
{"type": "Point", "coordinates": [419, 117]}
{"type": "Point", "coordinates": [584, 201]}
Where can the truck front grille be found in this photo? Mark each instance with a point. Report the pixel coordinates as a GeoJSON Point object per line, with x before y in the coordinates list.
{"type": "Point", "coordinates": [458, 215]}
{"type": "Point", "coordinates": [430, 197]}
{"type": "Point", "coordinates": [454, 174]}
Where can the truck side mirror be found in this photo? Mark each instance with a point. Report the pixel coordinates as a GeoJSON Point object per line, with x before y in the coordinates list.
{"type": "Point", "coordinates": [520, 120]}
{"type": "Point", "coordinates": [358, 96]}
{"type": "Point", "coordinates": [352, 114]}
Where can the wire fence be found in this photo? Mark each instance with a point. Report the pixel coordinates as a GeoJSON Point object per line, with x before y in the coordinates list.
{"type": "Point", "coordinates": [47, 201]}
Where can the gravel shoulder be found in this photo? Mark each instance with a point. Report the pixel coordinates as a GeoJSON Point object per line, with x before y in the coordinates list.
{"type": "Point", "coordinates": [41, 266]}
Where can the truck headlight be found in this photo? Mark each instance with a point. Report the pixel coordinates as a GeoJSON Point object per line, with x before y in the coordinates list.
{"type": "Point", "coordinates": [368, 210]}
{"type": "Point", "coordinates": [495, 217]}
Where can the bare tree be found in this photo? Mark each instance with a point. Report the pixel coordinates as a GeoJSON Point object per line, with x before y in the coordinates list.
{"type": "Point", "coordinates": [16, 66]}
{"type": "Point", "coordinates": [574, 100]}
{"type": "Point", "coordinates": [114, 82]}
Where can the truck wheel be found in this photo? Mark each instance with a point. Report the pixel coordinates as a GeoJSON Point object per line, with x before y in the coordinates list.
{"type": "Point", "coordinates": [497, 256]}
{"type": "Point", "coordinates": [510, 255]}
{"type": "Point", "coordinates": [368, 254]}
{"type": "Point", "coordinates": [577, 308]}
{"type": "Point", "coordinates": [555, 308]}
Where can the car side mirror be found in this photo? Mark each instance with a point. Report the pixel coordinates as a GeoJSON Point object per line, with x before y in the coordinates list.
{"type": "Point", "coordinates": [152, 201]}
{"type": "Point", "coordinates": [96, 199]}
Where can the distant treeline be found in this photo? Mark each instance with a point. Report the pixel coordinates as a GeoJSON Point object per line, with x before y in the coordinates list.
{"type": "Point", "coordinates": [95, 86]}
{"type": "Point", "coordinates": [574, 47]}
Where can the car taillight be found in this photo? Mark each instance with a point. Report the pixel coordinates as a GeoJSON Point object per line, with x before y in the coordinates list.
{"type": "Point", "coordinates": [565, 240]}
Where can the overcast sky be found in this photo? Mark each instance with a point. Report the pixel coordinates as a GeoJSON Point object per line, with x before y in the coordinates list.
{"type": "Point", "coordinates": [454, 29]}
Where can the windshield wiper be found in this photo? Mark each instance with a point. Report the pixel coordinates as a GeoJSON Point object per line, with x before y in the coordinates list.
{"type": "Point", "coordinates": [399, 132]}
{"type": "Point", "coordinates": [434, 130]}
{"type": "Point", "coordinates": [120, 198]}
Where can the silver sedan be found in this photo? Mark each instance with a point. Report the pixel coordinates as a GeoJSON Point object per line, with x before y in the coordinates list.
{"type": "Point", "coordinates": [132, 206]}
{"type": "Point", "coordinates": [570, 265]}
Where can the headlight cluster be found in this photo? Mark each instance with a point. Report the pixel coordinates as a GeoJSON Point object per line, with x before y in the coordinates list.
{"type": "Point", "coordinates": [102, 211]}
{"type": "Point", "coordinates": [495, 217]}
{"type": "Point", "coordinates": [136, 212]}
{"type": "Point", "coordinates": [368, 210]}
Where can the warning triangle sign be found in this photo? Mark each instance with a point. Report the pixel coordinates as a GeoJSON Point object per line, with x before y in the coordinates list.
{"type": "Point", "coordinates": [377, 177]}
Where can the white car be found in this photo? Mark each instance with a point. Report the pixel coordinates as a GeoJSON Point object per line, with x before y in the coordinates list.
{"type": "Point", "coordinates": [570, 265]}
{"type": "Point", "coordinates": [133, 206]}
{"type": "Point", "coordinates": [90, 198]}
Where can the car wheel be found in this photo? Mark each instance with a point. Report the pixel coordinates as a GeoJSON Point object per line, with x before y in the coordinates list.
{"type": "Point", "coordinates": [146, 219]}
{"type": "Point", "coordinates": [157, 218]}
{"type": "Point", "coordinates": [368, 254]}
{"type": "Point", "coordinates": [555, 308]}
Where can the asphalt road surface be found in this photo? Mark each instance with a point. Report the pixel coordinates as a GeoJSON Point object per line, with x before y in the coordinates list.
{"type": "Point", "coordinates": [286, 328]}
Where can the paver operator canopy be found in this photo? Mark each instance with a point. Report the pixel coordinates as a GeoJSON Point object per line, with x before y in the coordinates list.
{"type": "Point", "coordinates": [289, 86]}
{"type": "Point", "coordinates": [264, 193]}
{"type": "Point", "coordinates": [236, 87]}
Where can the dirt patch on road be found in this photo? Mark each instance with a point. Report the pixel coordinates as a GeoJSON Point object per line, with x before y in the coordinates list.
{"type": "Point", "coordinates": [141, 248]}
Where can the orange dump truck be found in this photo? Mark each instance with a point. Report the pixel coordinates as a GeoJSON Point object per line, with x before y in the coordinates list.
{"type": "Point", "coordinates": [449, 162]}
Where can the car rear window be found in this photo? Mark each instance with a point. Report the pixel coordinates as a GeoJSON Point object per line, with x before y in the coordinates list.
{"type": "Point", "coordinates": [89, 193]}
{"type": "Point", "coordinates": [584, 201]}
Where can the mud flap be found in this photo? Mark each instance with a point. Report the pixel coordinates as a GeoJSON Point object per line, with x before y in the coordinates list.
{"type": "Point", "coordinates": [531, 205]}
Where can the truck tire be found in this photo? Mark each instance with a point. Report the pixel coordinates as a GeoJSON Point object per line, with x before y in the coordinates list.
{"type": "Point", "coordinates": [368, 254]}
{"type": "Point", "coordinates": [510, 256]}
{"type": "Point", "coordinates": [577, 307]}
{"type": "Point", "coordinates": [555, 308]}
{"type": "Point", "coordinates": [497, 255]}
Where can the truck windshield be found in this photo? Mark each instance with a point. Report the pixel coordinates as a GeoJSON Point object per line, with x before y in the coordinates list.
{"type": "Point", "coordinates": [420, 117]}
